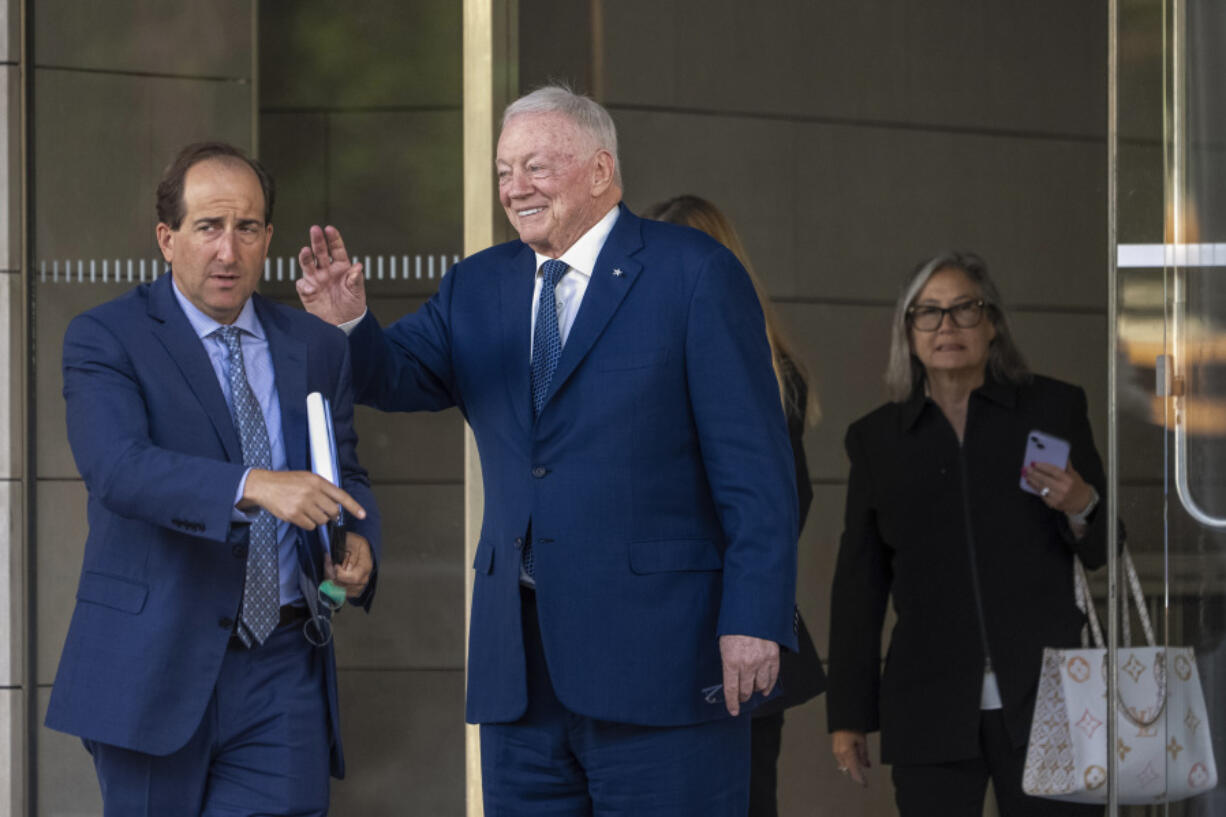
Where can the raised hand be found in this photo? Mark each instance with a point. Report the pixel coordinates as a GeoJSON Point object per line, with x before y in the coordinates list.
{"type": "Point", "coordinates": [331, 287]}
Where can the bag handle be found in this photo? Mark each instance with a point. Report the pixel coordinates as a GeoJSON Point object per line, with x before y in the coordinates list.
{"type": "Point", "coordinates": [1128, 712]}
{"type": "Point", "coordinates": [1134, 584]}
{"type": "Point", "coordinates": [1085, 603]}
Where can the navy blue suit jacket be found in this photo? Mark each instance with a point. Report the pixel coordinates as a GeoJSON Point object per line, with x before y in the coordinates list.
{"type": "Point", "coordinates": [658, 478]}
{"type": "Point", "coordinates": [165, 562]}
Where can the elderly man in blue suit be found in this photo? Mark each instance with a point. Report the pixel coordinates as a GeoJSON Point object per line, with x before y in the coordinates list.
{"type": "Point", "coordinates": [198, 668]}
{"type": "Point", "coordinates": [635, 574]}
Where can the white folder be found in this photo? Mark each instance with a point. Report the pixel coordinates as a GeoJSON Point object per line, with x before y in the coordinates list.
{"type": "Point", "coordinates": [324, 459]}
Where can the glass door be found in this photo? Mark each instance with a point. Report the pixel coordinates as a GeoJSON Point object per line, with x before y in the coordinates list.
{"type": "Point", "coordinates": [1169, 412]}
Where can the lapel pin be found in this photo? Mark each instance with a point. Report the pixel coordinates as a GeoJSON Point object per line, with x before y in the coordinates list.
{"type": "Point", "coordinates": [617, 273]}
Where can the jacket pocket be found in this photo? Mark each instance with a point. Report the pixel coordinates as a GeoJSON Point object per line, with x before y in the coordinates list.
{"type": "Point", "coordinates": [483, 559]}
{"type": "Point", "coordinates": [112, 591]}
{"type": "Point", "coordinates": [665, 555]}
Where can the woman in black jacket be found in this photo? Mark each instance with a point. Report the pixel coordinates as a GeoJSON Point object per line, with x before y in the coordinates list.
{"type": "Point", "coordinates": [980, 571]}
{"type": "Point", "coordinates": [800, 673]}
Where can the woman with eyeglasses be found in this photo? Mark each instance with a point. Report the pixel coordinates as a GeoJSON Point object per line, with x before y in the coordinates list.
{"type": "Point", "coordinates": [979, 569]}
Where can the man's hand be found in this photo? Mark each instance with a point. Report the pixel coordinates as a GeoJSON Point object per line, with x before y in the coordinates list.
{"type": "Point", "coordinates": [331, 287]}
{"type": "Point", "coordinates": [749, 664]}
{"type": "Point", "coordinates": [353, 574]}
{"type": "Point", "coordinates": [851, 753]}
{"type": "Point", "coordinates": [298, 497]}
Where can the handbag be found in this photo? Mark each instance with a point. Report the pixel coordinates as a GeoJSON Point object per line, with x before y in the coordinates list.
{"type": "Point", "coordinates": [1162, 726]}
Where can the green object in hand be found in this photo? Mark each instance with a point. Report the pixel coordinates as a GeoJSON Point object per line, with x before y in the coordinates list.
{"type": "Point", "coordinates": [332, 591]}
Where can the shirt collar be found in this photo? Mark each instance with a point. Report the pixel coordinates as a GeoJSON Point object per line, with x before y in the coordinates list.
{"type": "Point", "coordinates": [582, 255]}
{"type": "Point", "coordinates": [1003, 394]}
{"type": "Point", "coordinates": [204, 326]}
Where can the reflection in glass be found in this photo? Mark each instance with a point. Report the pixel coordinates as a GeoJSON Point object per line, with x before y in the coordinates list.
{"type": "Point", "coordinates": [1171, 300]}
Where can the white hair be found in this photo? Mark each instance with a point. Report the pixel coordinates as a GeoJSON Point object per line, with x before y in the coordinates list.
{"type": "Point", "coordinates": [585, 112]}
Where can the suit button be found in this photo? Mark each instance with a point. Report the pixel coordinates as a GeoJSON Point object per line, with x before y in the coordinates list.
{"type": "Point", "coordinates": [239, 551]}
{"type": "Point", "coordinates": [539, 471]}
{"type": "Point", "coordinates": [225, 623]}
{"type": "Point", "coordinates": [519, 542]}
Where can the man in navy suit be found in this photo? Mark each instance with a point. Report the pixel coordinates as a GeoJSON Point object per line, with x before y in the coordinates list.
{"type": "Point", "coordinates": [635, 574]}
{"type": "Point", "coordinates": [198, 668]}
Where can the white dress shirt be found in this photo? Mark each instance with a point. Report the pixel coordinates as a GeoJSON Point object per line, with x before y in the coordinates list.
{"type": "Point", "coordinates": [581, 259]}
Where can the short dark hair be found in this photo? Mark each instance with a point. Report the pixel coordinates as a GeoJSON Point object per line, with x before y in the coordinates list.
{"type": "Point", "coordinates": [170, 205]}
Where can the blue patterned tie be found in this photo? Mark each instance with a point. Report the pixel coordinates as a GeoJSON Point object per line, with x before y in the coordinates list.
{"type": "Point", "coordinates": [546, 341]}
{"type": "Point", "coordinates": [546, 349]}
{"type": "Point", "coordinates": [261, 593]}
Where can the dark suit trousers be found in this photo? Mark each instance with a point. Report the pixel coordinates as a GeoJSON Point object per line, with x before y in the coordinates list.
{"type": "Point", "coordinates": [767, 739]}
{"type": "Point", "coordinates": [262, 747]}
{"type": "Point", "coordinates": [555, 763]}
{"type": "Point", "coordinates": [957, 789]}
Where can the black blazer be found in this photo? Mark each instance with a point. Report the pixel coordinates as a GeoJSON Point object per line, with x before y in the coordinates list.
{"type": "Point", "coordinates": [800, 673]}
{"type": "Point", "coordinates": [935, 526]}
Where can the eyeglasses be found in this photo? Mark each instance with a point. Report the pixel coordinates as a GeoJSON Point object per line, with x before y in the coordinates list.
{"type": "Point", "coordinates": [965, 315]}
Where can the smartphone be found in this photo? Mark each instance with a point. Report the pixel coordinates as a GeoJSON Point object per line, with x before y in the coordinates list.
{"type": "Point", "coordinates": [1044, 447]}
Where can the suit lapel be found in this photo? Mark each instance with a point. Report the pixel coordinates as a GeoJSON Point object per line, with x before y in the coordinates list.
{"type": "Point", "coordinates": [172, 328]}
{"type": "Point", "coordinates": [289, 363]}
{"type": "Point", "coordinates": [614, 275]}
{"type": "Point", "coordinates": [289, 366]}
{"type": "Point", "coordinates": [515, 305]}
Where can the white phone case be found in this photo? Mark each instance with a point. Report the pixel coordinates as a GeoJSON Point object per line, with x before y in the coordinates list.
{"type": "Point", "coordinates": [1043, 447]}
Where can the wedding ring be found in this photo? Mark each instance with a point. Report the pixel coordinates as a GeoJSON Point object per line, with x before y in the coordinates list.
{"type": "Point", "coordinates": [843, 769]}
{"type": "Point", "coordinates": [1043, 493]}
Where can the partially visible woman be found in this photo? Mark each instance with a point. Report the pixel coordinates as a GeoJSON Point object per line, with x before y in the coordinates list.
{"type": "Point", "coordinates": [979, 569]}
{"type": "Point", "coordinates": [800, 673]}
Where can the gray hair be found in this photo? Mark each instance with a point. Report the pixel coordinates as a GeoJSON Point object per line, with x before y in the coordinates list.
{"type": "Point", "coordinates": [585, 112]}
{"type": "Point", "coordinates": [904, 373]}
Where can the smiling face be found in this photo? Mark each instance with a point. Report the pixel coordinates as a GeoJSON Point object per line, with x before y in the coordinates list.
{"type": "Point", "coordinates": [554, 182]}
{"type": "Point", "coordinates": [218, 250]}
{"type": "Point", "coordinates": [951, 348]}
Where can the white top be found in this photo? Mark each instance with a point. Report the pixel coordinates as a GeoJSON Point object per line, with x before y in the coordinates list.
{"type": "Point", "coordinates": [989, 698]}
{"type": "Point", "coordinates": [581, 258]}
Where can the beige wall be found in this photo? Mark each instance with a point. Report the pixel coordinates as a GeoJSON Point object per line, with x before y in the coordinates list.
{"type": "Point", "coordinates": [117, 91]}
{"type": "Point", "coordinates": [849, 140]}
{"type": "Point", "coordinates": [369, 139]}
{"type": "Point", "coordinates": [12, 575]}
{"type": "Point", "coordinates": [355, 144]}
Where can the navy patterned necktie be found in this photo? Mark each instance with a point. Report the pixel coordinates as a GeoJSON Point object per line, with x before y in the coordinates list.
{"type": "Point", "coordinates": [261, 592]}
{"type": "Point", "coordinates": [546, 349]}
{"type": "Point", "coordinates": [546, 340]}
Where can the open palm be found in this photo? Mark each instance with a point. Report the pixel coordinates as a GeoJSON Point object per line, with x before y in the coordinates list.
{"type": "Point", "coordinates": [332, 287]}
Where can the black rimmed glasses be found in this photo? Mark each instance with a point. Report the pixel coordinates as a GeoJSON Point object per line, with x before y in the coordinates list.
{"type": "Point", "coordinates": [965, 315]}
